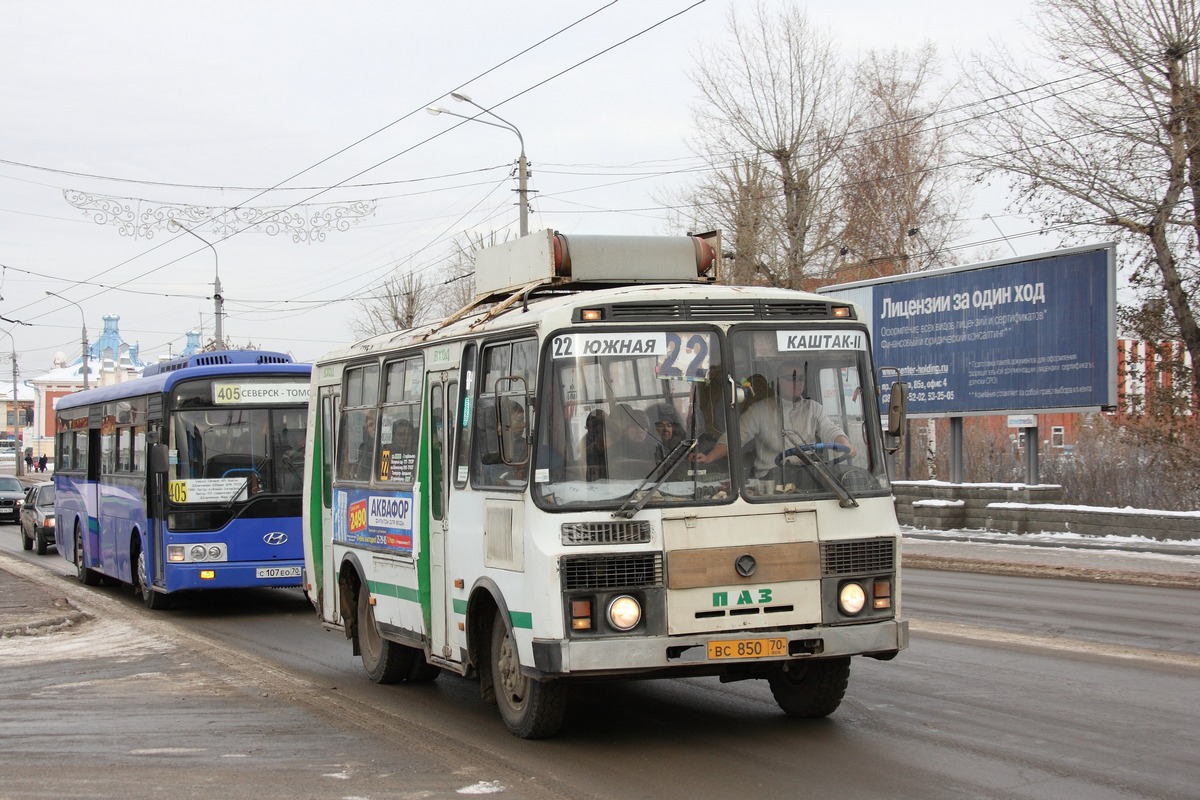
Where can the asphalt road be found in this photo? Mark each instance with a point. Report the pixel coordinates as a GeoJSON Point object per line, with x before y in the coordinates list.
{"type": "Point", "coordinates": [1013, 688]}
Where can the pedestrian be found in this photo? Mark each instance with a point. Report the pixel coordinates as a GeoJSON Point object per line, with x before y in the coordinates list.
{"type": "Point", "coordinates": [29, 461]}
{"type": "Point", "coordinates": [42, 463]}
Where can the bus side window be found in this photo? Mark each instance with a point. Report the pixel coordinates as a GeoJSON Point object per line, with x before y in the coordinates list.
{"type": "Point", "coordinates": [506, 371]}
{"type": "Point", "coordinates": [466, 416]}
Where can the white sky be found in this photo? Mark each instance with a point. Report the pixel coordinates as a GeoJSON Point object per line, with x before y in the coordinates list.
{"type": "Point", "coordinates": [245, 94]}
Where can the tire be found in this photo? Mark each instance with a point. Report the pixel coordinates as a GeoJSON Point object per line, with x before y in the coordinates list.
{"type": "Point", "coordinates": [26, 543]}
{"type": "Point", "coordinates": [530, 709]}
{"type": "Point", "coordinates": [42, 544]}
{"type": "Point", "coordinates": [810, 689]}
{"type": "Point", "coordinates": [155, 601]}
{"type": "Point", "coordinates": [87, 576]}
{"type": "Point", "coordinates": [384, 660]}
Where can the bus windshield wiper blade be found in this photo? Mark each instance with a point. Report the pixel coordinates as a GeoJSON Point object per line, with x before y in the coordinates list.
{"type": "Point", "coordinates": [662, 469]}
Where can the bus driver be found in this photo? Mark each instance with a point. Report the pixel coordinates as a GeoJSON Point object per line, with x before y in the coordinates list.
{"type": "Point", "coordinates": [761, 423]}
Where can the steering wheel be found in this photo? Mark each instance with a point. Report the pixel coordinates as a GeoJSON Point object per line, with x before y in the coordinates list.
{"type": "Point", "coordinates": [838, 453]}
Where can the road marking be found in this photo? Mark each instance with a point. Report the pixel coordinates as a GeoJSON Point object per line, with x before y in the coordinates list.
{"type": "Point", "coordinates": [954, 630]}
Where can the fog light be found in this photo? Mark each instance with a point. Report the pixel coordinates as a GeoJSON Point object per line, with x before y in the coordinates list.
{"type": "Point", "coordinates": [207, 574]}
{"type": "Point", "coordinates": [624, 612]}
{"type": "Point", "coordinates": [851, 599]}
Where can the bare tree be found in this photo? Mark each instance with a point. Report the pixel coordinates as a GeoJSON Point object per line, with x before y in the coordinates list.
{"type": "Point", "coordinates": [897, 191]}
{"type": "Point", "coordinates": [400, 302]}
{"type": "Point", "coordinates": [1104, 135]}
{"type": "Point", "coordinates": [776, 109]}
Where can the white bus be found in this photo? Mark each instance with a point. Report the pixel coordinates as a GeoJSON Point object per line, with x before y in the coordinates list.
{"type": "Point", "coordinates": [551, 485]}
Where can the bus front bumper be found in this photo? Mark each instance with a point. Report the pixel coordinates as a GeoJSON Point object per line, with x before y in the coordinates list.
{"type": "Point", "coordinates": [693, 654]}
{"type": "Point", "coordinates": [226, 575]}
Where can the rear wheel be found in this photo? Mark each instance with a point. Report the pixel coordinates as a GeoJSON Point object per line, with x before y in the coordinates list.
{"type": "Point", "coordinates": [156, 601]}
{"type": "Point", "coordinates": [810, 689]}
{"type": "Point", "coordinates": [530, 709]}
{"type": "Point", "coordinates": [87, 576]}
{"type": "Point", "coordinates": [384, 660]}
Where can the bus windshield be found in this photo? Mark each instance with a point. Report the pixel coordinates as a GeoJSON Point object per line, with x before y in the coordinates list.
{"type": "Point", "coordinates": [623, 410]}
{"type": "Point", "coordinates": [230, 455]}
{"type": "Point", "coordinates": [808, 422]}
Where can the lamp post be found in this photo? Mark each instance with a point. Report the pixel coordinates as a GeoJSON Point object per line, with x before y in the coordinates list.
{"type": "Point", "coordinates": [16, 407]}
{"type": "Point", "coordinates": [522, 164]}
{"type": "Point", "coordinates": [83, 325]}
{"type": "Point", "coordinates": [218, 300]}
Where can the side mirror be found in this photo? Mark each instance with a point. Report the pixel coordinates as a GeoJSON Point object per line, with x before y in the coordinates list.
{"type": "Point", "coordinates": [893, 433]}
{"type": "Point", "coordinates": [160, 459]}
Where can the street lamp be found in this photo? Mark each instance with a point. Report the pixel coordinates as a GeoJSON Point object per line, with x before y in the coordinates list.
{"type": "Point", "coordinates": [83, 325]}
{"type": "Point", "coordinates": [522, 164]}
{"type": "Point", "coordinates": [218, 300]}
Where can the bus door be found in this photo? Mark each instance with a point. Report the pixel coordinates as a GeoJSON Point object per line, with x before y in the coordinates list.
{"type": "Point", "coordinates": [443, 401]}
{"type": "Point", "coordinates": [319, 500]}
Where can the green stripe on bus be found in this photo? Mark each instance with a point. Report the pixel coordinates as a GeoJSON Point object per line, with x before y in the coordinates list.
{"type": "Point", "coordinates": [460, 607]}
{"type": "Point", "coordinates": [521, 619]}
{"type": "Point", "coordinates": [393, 590]}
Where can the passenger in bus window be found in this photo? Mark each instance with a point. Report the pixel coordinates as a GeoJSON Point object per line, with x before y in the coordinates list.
{"type": "Point", "coordinates": [366, 449]}
{"type": "Point", "coordinates": [595, 445]}
{"type": "Point", "coordinates": [632, 455]}
{"type": "Point", "coordinates": [669, 433]}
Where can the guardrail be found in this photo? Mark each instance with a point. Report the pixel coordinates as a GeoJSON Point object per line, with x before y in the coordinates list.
{"type": "Point", "coordinates": [1019, 508]}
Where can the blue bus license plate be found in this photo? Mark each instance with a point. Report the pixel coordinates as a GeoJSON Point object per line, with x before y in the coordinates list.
{"type": "Point", "coordinates": [277, 572]}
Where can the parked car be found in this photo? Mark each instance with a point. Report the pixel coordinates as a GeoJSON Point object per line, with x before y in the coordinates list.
{"type": "Point", "coordinates": [12, 494]}
{"type": "Point", "coordinates": [37, 518]}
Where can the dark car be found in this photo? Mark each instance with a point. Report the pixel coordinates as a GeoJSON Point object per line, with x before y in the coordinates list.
{"type": "Point", "coordinates": [37, 518]}
{"type": "Point", "coordinates": [12, 493]}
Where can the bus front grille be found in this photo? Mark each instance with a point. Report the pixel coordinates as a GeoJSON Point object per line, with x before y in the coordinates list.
{"type": "Point", "coordinates": [625, 571]}
{"type": "Point", "coordinates": [622, 532]}
{"type": "Point", "coordinates": [857, 556]}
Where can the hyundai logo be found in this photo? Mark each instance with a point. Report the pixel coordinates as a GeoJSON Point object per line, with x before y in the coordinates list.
{"type": "Point", "coordinates": [745, 565]}
{"type": "Point", "coordinates": [275, 538]}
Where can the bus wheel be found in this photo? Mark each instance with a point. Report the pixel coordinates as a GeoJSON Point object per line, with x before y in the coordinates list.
{"type": "Point", "coordinates": [530, 709]}
{"type": "Point", "coordinates": [155, 601]}
{"type": "Point", "coordinates": [88, 577]}
{"type": "Point", "coordinates": [810, 689]}
{"type": "Point", "coordinates": [385, 661]}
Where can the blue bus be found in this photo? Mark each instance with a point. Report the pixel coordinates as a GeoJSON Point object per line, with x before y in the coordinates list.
{"type": "Point", "coordinates": [189, 477]}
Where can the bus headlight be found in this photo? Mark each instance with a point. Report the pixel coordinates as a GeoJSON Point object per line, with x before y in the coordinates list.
{"type": "Point", "coordinates": [624, 612]}
{"type": "Point", "coordinates": [851, 598]}
{"type": "Point", "coordinates": [198, 552]}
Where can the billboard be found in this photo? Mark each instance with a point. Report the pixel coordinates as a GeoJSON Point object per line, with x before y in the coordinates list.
{"type": "Point", "coordinates": [1032, 334]}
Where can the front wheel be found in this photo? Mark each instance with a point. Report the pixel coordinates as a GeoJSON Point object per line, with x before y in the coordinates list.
{"type": "Point", "coordinates": [88, 577]}
{"type": "Point", "coordinates": [26, 542]}
{"type": "Point", "coordinates": [43, 542]}
{"type": "Point", "coordinates": [530, 709]}
{"type": "Point", "coordinates": [810, 689]}
{"type": "Point", "coordinates": [155, 601]}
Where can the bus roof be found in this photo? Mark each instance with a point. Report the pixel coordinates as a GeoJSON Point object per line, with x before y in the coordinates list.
{"type": "Point", "coordinates": [656, 303]}
{"type": "Point", "coordinates": [166, 380]}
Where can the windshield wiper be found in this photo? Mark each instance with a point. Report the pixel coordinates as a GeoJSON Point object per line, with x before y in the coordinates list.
{"type": "Point", "coordinates": [662, 470]}
{"type": "Point", "coordinates": [800, 448]}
